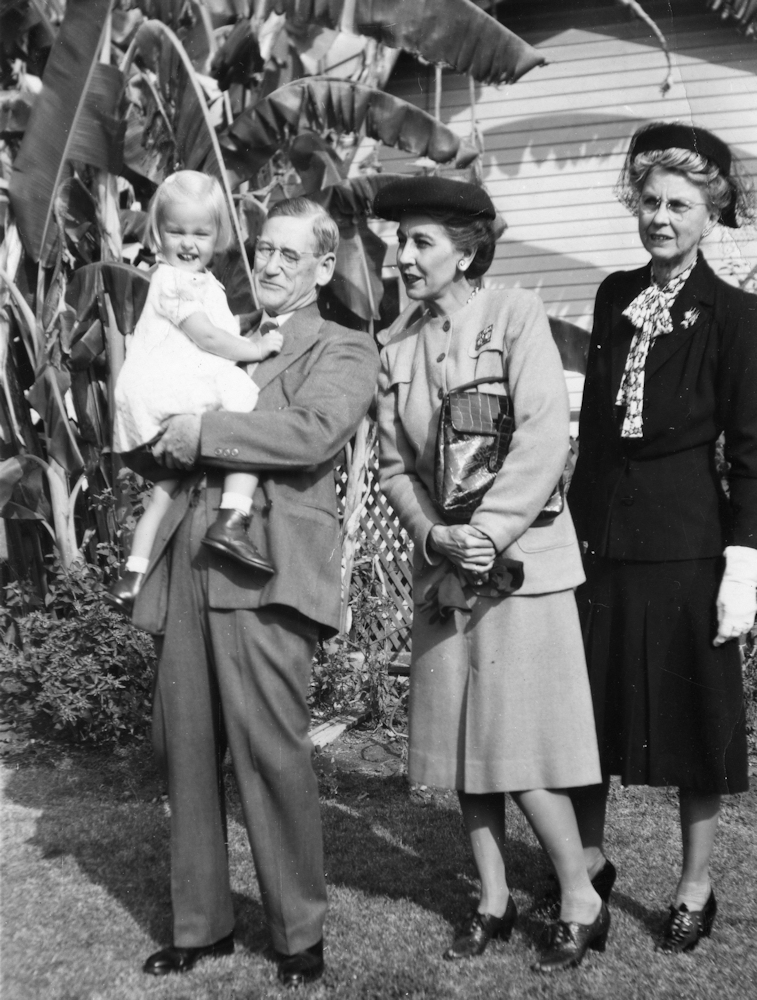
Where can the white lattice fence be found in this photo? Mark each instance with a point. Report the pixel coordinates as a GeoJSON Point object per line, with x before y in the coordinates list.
{"type": "Point", "coordinates": [384, 545]}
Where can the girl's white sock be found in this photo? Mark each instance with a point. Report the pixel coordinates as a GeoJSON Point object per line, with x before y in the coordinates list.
{"type": "Point", "coordinates": [137, 564]}
{"type": "Point", "coordinates": [236, 501]}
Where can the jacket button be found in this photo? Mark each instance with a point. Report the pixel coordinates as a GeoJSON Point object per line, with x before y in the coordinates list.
{"type": "Point", "coordinates": [235, 451]}
{"type": "Point", "coordinates": [441, 357]}
{"type": "Point", "coordinates": [446, 326]}
{"type": "Point", "coordinates": [219, 451]}
{"type": "Point", "coordinates": [627, 501]}
{"type": "Point", "coordinates": [440, 394]}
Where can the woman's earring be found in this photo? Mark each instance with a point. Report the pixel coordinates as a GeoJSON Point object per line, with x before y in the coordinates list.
{"type": "Point", "coordinates": [461, 264]}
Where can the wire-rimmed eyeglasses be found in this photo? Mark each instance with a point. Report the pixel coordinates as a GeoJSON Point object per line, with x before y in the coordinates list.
{"type": "Point", "coordinates": [676, 208]}
{"type": "Point", "coordinates": [289, 258]}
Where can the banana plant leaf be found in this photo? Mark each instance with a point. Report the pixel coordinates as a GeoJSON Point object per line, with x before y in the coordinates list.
{"type": "Point", "coordinates": [316, 162]}
{"type": "Point", "coordinates": [62, 439]}
{"type": "Point", "coordinates": [126, 286]}
{"type": "Point", "coordinates": [168, 130]}
{"type": "Point", "coordinates": [179, 103]}
{"type": "Point", "coordinates": [455, 33]}
{"type": "Point", "coordinates": [572, 342]}
{"type": "Point", "coordinates": [62, 124]}
{"type": "Point", "coordinates": [357, 276]}
{"type": "Point", "coordinates": [238, 60]}
{"type": "Point", "coordinates": [321, 104]}
{"type": "Point", "coordinates": [22, 491]}
{"type": "Point", "coordinates": [357, 280]}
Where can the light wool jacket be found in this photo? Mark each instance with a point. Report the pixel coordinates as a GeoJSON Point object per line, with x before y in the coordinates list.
{"type": "Point", "coordinates": [498, 332]}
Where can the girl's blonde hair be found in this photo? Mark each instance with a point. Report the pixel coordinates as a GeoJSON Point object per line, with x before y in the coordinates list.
{"type": "Point", "coordinates": [189, 185]}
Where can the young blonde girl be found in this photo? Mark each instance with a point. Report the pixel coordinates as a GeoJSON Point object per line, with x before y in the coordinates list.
{"type": "Point", "coordinates": [183, 359]}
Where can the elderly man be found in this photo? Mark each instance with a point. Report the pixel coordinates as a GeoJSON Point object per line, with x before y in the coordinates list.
{"type": "Point", "coordinates": [236, 646]}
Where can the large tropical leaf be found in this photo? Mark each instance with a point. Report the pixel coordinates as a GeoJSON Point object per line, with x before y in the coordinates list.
{"type": "Point", "coordinates": [22, 492]}
{"type": "Point", "coordinates": [126, 286]}
{"type": "Point", "coordinates": [179, 102]}
{"type": "Point", "coordinates": [321, 104]}
{"type": "Point", "coordinates": [572, 342]}
{"type": "Point", "coordinates": [456, 33]}
{"type": "Point", "coordinates": [73, 117]}
{"type": "Point", "coordinates": [61, 437]}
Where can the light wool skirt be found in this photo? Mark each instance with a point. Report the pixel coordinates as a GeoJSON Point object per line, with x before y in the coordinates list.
{"type": "Point", "coordinates": [500, 698]}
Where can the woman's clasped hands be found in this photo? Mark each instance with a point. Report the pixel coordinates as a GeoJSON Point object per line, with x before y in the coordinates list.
{"type": "Point", "coordinates": [465, 546]}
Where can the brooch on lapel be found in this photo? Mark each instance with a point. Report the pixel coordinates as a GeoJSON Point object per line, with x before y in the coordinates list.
{"type": "Point", "coordinates": [689, 318]}
{"type": "Point", "coordinates": [484, 337]}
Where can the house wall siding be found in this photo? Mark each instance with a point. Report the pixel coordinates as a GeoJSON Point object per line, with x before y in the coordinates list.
{"type": "Point", "coordinates": [554, 142]}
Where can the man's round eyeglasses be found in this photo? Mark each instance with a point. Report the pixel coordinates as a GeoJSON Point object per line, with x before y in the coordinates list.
{"type": "Point", "coordinates": [289, 258]}
{"type": "Point", "coordinates": [676, 209]}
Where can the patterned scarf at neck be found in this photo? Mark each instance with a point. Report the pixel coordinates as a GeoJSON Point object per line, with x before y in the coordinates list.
{"type": "Point", "coordinates": [650, 314]}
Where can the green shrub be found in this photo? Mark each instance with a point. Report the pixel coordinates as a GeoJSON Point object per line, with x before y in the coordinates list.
{"type": "Point", "coordinates": [345, 679]}
{"type": "Point", "coordinates": [73, 669]}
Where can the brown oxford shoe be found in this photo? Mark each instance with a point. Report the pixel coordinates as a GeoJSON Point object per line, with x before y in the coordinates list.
{"type": "Point", "coordinates": [228, 534]}
{"type": "Point", "coordinates": [121, 594]}
{"type": "Point", "coordinates": [302, 967]}
{"type": "Point", "coordinates": [173, 959]}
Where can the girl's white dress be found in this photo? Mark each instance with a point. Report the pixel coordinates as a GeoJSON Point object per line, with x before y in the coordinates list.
{"type": "Point", "coordinates": [166, 373]}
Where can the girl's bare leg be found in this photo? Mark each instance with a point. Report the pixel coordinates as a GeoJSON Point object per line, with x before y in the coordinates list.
{"type": "Point", "coordinates": [147, 526]}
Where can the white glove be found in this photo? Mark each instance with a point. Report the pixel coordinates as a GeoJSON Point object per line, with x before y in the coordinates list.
{"type": "Point", "coordinates": [737, 597]}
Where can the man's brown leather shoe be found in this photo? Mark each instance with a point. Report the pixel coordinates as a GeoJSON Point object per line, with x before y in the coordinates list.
{"type": "Point", "coordinates": [302, 967]}
{"type": "Point", "coordinates": [173, 959]}
{"type": "Point", "coordinates": [228, 534]}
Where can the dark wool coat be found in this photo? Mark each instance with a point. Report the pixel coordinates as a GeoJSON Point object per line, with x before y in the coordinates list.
{"type": "Point", "coordinates": [660, 497]}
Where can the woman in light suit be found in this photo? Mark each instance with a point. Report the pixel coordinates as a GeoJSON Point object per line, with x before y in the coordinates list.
{"type": "Point", "coordinates": [500, 699]}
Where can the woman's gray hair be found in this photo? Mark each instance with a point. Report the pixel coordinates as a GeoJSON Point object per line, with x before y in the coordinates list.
{"type": "Point", "coordinates": [694, 167]}
{"type": "Point", "coordinates": [730, 197]}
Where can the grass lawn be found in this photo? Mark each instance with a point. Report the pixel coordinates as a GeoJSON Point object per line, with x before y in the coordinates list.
{"type": "Point", "coordinates": [85, 892]}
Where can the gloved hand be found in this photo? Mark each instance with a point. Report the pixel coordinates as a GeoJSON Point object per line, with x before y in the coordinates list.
{"type": "Point", "coordinates": [737, 597]}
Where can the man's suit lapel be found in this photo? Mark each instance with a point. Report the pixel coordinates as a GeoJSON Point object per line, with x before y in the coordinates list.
{"type": "Point", "coordinates": [300, 333]}
{"type": "Point", "coordinates": [691, 309]}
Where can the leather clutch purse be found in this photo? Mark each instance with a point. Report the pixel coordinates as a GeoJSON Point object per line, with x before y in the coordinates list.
{"type": "Point", "coordinates": [472, 441]}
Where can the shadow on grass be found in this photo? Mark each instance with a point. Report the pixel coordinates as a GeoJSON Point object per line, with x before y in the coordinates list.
{"type": "Point", "coordinates": [381, 839]}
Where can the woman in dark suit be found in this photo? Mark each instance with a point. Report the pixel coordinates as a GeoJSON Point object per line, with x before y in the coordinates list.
{"type": "Point", "coordinates": [670, 555]}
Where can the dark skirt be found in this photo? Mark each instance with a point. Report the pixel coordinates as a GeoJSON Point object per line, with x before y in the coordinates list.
{"type": "Point", "coordinates": [668, 705]}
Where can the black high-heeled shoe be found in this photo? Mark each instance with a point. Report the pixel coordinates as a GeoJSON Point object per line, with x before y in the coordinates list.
{"type": "Point", "coordinates": [569, 942]}
{"type": "Point", "coordinates": [685, 927]}
{"type": "Point", "coordinates": [548, 906]}
{"type": "Point", "coordinates": [479, 929]}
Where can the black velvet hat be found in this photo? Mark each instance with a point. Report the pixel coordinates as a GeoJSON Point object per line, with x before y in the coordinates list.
{"type": "Point", "coordinates": [681, 135]}
{"type": "Point", "coordinates": [678, 135]}
{"type": "Point", "coordinates": [436, 194]}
